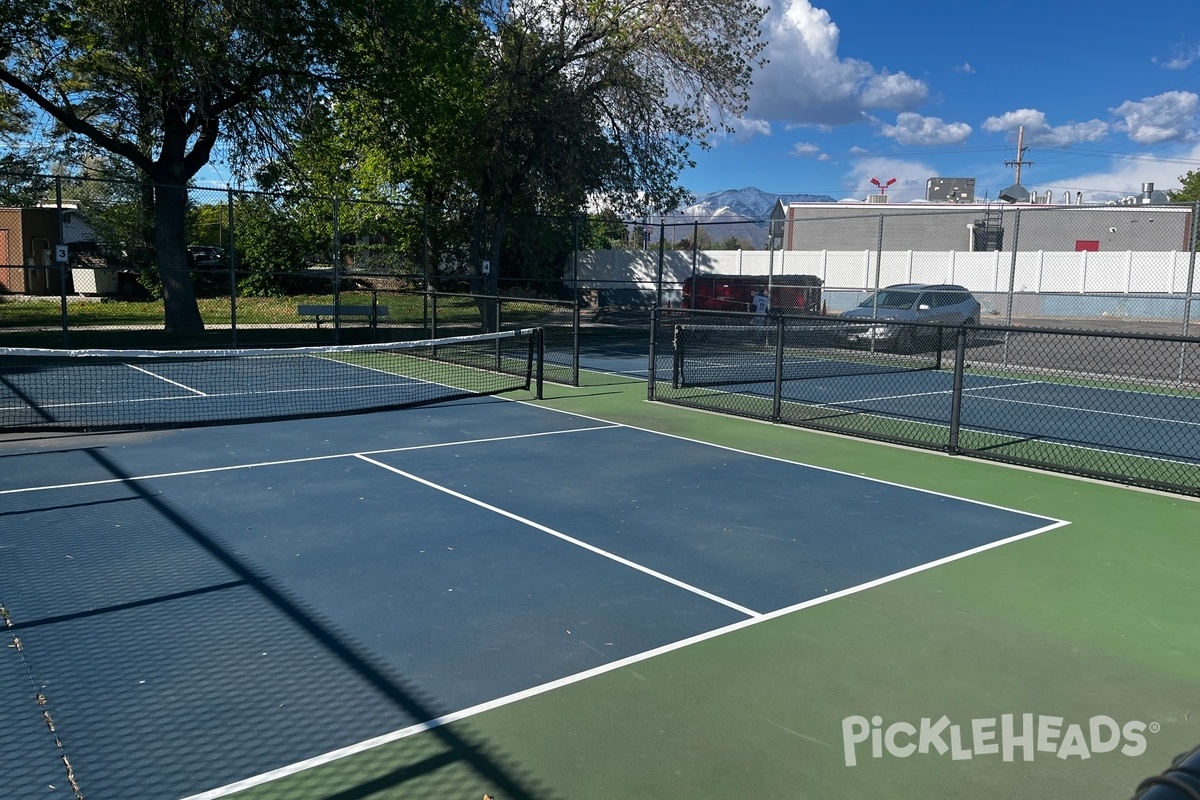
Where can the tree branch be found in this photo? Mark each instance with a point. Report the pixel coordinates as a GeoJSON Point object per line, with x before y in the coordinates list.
{"type": "Point", "coordinates": [76, 125]}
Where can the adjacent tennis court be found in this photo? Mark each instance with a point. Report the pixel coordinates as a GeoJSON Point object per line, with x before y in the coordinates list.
{"type": "Point", "coordinates": [585, 596]}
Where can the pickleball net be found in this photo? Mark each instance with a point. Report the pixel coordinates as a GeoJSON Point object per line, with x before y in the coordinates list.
{"type": "Point", "coordinates": [88, 390]}
{"type": "Point", "coordinates": [708, 354]}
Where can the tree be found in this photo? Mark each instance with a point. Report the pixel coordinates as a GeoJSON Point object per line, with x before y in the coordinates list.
{"type": "Point", "coordinates": [1189, 192]}
{"type": "Point", "coordinates": [20, 183]}
{"type": "Point", "coordinates": [160, 83]}
{"type": "Point", "coordinates": [704, 241]}
{"type": "Point", "coordinates": [559, 102]}
{"type": "Point", "coordinates": [601, 98]}
{"type": "Point", "coordinates": [604, 231]}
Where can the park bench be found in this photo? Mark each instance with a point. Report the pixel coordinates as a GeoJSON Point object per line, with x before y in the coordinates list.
{"type": "Point", "coordinates": [335, 313]}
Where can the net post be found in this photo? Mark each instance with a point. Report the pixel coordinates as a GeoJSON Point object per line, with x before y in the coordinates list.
{"type": "Point", "coordinates": [497, 351]}
{"type": "Point", "coordinates": [956, 394]}
{"type": "Point", "coordinates": [677, 358]}
{"type": "Point", "coordinates": [777, 394]}
{"type": "Point", "coordinates": [540, 363]}
{"type": "Point", "coordinates": [941, 335]}
{"type": "Point", "coordinates": [650, 375]}
{"type": "Point", "coordinates": [374, 315]}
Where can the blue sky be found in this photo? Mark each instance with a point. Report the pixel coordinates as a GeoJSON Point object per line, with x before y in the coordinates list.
{"type": "Point", "coordinates": [1108, 92]}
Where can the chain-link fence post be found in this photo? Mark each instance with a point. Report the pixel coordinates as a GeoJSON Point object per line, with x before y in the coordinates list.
{"type": "Point", "coordinates": [777, 393]}
{"type": "Point", "coordinates": [62, 262]}
{"type": "Point", "coordinates": [1191, 285]}
{"type": "Point", "coordinates": [575, 296]}
{"type": "Point", "coordinates": [1012, 281]}
{"type": "Point", "coordinates": [232, 271]}
{"type": "Point", "coordinates": [1191, 278]}
{"type": "Point", "coordinates": [956, 393]}
{"type": "Point", "coordinates": [337, 273]}
{"type": "Point", "coordinates": [427, 286]}
{"type": "Point", "coordinates": [695, 254]}
{"type": "Point", "coordinates": [662, 247]}
{"type": "Point", "coordinates": [878, 270]}
{"type": "Point", "coordinates": [433, 315]}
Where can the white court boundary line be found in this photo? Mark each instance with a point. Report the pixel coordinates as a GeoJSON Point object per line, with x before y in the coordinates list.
{"type": "Point", "coordinates": [835, 403]}
{"type": "Point", "coordinates": [302, 460]}
{"type": "Point", "coordinates": [1077, 409]}
{"type": "Point", "coordinates": [145, 371]}
{"type": "Point", "coordinates": [455, 716]}
{"type": "Point", "coordinates": [566, 538]}
{"type": "Point", "coordinates": [411, 730]}
{"type": "Point", "coordinates": [794, 463]}
{"type": "Point", "coordinates": [846, 406]}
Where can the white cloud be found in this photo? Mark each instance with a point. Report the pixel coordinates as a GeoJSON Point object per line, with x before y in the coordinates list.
{"type": "Point", "coordinates": [1165, 117]}
{"type": "Point", "coordinates": [910, 176]}
{"type": "Point", "coordinates": [1038, 131]}
{"type": "Point", "coordinates": [913, 129]}
{"type": "Point", "coordinates": [893, 91]}
{"type": "Point", "coordinates": [742, 130]}
{"type": "Point", "coordinates": [805, 149]}
{"type": "Point", "coordinates": [1182, 59]}
{"type": "Point", "coordinates": [966, 69]}
{"type": "Point", "coordinates": [748, 128]}
{"type": "Point", "coordinates": [1127, 175]}
{"type": "Point", "coordinates": [807, 82]}
{"type": "Point", "coordinates": [856, 150]}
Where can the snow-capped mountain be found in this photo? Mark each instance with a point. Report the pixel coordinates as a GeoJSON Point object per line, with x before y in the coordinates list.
{"type": "Point", "coordinates": [741, 213]}
{"type": "Point", "coordinates": [744, 204]}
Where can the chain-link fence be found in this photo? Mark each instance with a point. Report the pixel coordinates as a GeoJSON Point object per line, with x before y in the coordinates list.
{"type": "Point", "coordinates": [1118, 406]}
{"type": "Point", "coordinates": [90, 266]}
{"type": "Point", "coordinates": [1122, 268]}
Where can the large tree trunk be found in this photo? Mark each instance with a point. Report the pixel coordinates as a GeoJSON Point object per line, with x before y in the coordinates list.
{"type": "Point", "coordinates": [485, 245]}
{"type": "Point", "coordinates": [181, 312]}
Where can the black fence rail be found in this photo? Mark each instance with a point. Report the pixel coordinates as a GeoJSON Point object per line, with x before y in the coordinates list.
{"type": "Point", "coordinates": [1121, 407]}
{"type": "Point", "coordinates": [438, 314]}
{"type": "Point", "coordinates": [302, 309]}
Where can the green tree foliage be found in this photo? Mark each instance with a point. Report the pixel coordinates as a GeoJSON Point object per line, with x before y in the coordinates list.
{"type": "Point", "coordinates": [548, 105]}
{"type": "Point", "coordinates": [1189, 191]}
{"type": "Point", "coordinates": [21, 184]}
{"type": "Point", "coordinates": [704, 241]}
{"type": "Point", "coordinates": [604, 231]}
{"type": "Point", "coordinates": [273, 243]}
{"type": "Point", "coordinates": [602, 99]}
{"type": "Point", "coordinates": [160, 84]}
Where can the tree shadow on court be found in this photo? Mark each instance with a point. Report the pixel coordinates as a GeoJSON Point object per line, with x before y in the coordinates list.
{"type": "Point", "coordinates": [444, 760]}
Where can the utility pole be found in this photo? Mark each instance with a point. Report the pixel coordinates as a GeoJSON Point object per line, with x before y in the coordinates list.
{"type": "Point", "coordinates": [1021, 148]}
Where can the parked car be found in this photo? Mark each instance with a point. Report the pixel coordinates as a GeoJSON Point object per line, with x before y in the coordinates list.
{"type": "Point", "coordinates": [941, 304]}
{"type": "Point", "coordinates": [204, 257]}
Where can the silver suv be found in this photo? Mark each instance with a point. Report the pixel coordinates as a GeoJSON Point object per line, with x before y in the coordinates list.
{"type": "Point", "coordinates": [941, 304]}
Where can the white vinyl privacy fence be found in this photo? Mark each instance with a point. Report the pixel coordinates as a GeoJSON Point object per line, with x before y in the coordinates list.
{"type": "Point", "coordinates": [1149, 285]}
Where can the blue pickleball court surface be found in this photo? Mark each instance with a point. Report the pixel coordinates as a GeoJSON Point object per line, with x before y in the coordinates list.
{"type": "Point", "coordinates": [1159, 423]}
{"type": "Point", "coordinates": [241, 598]}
